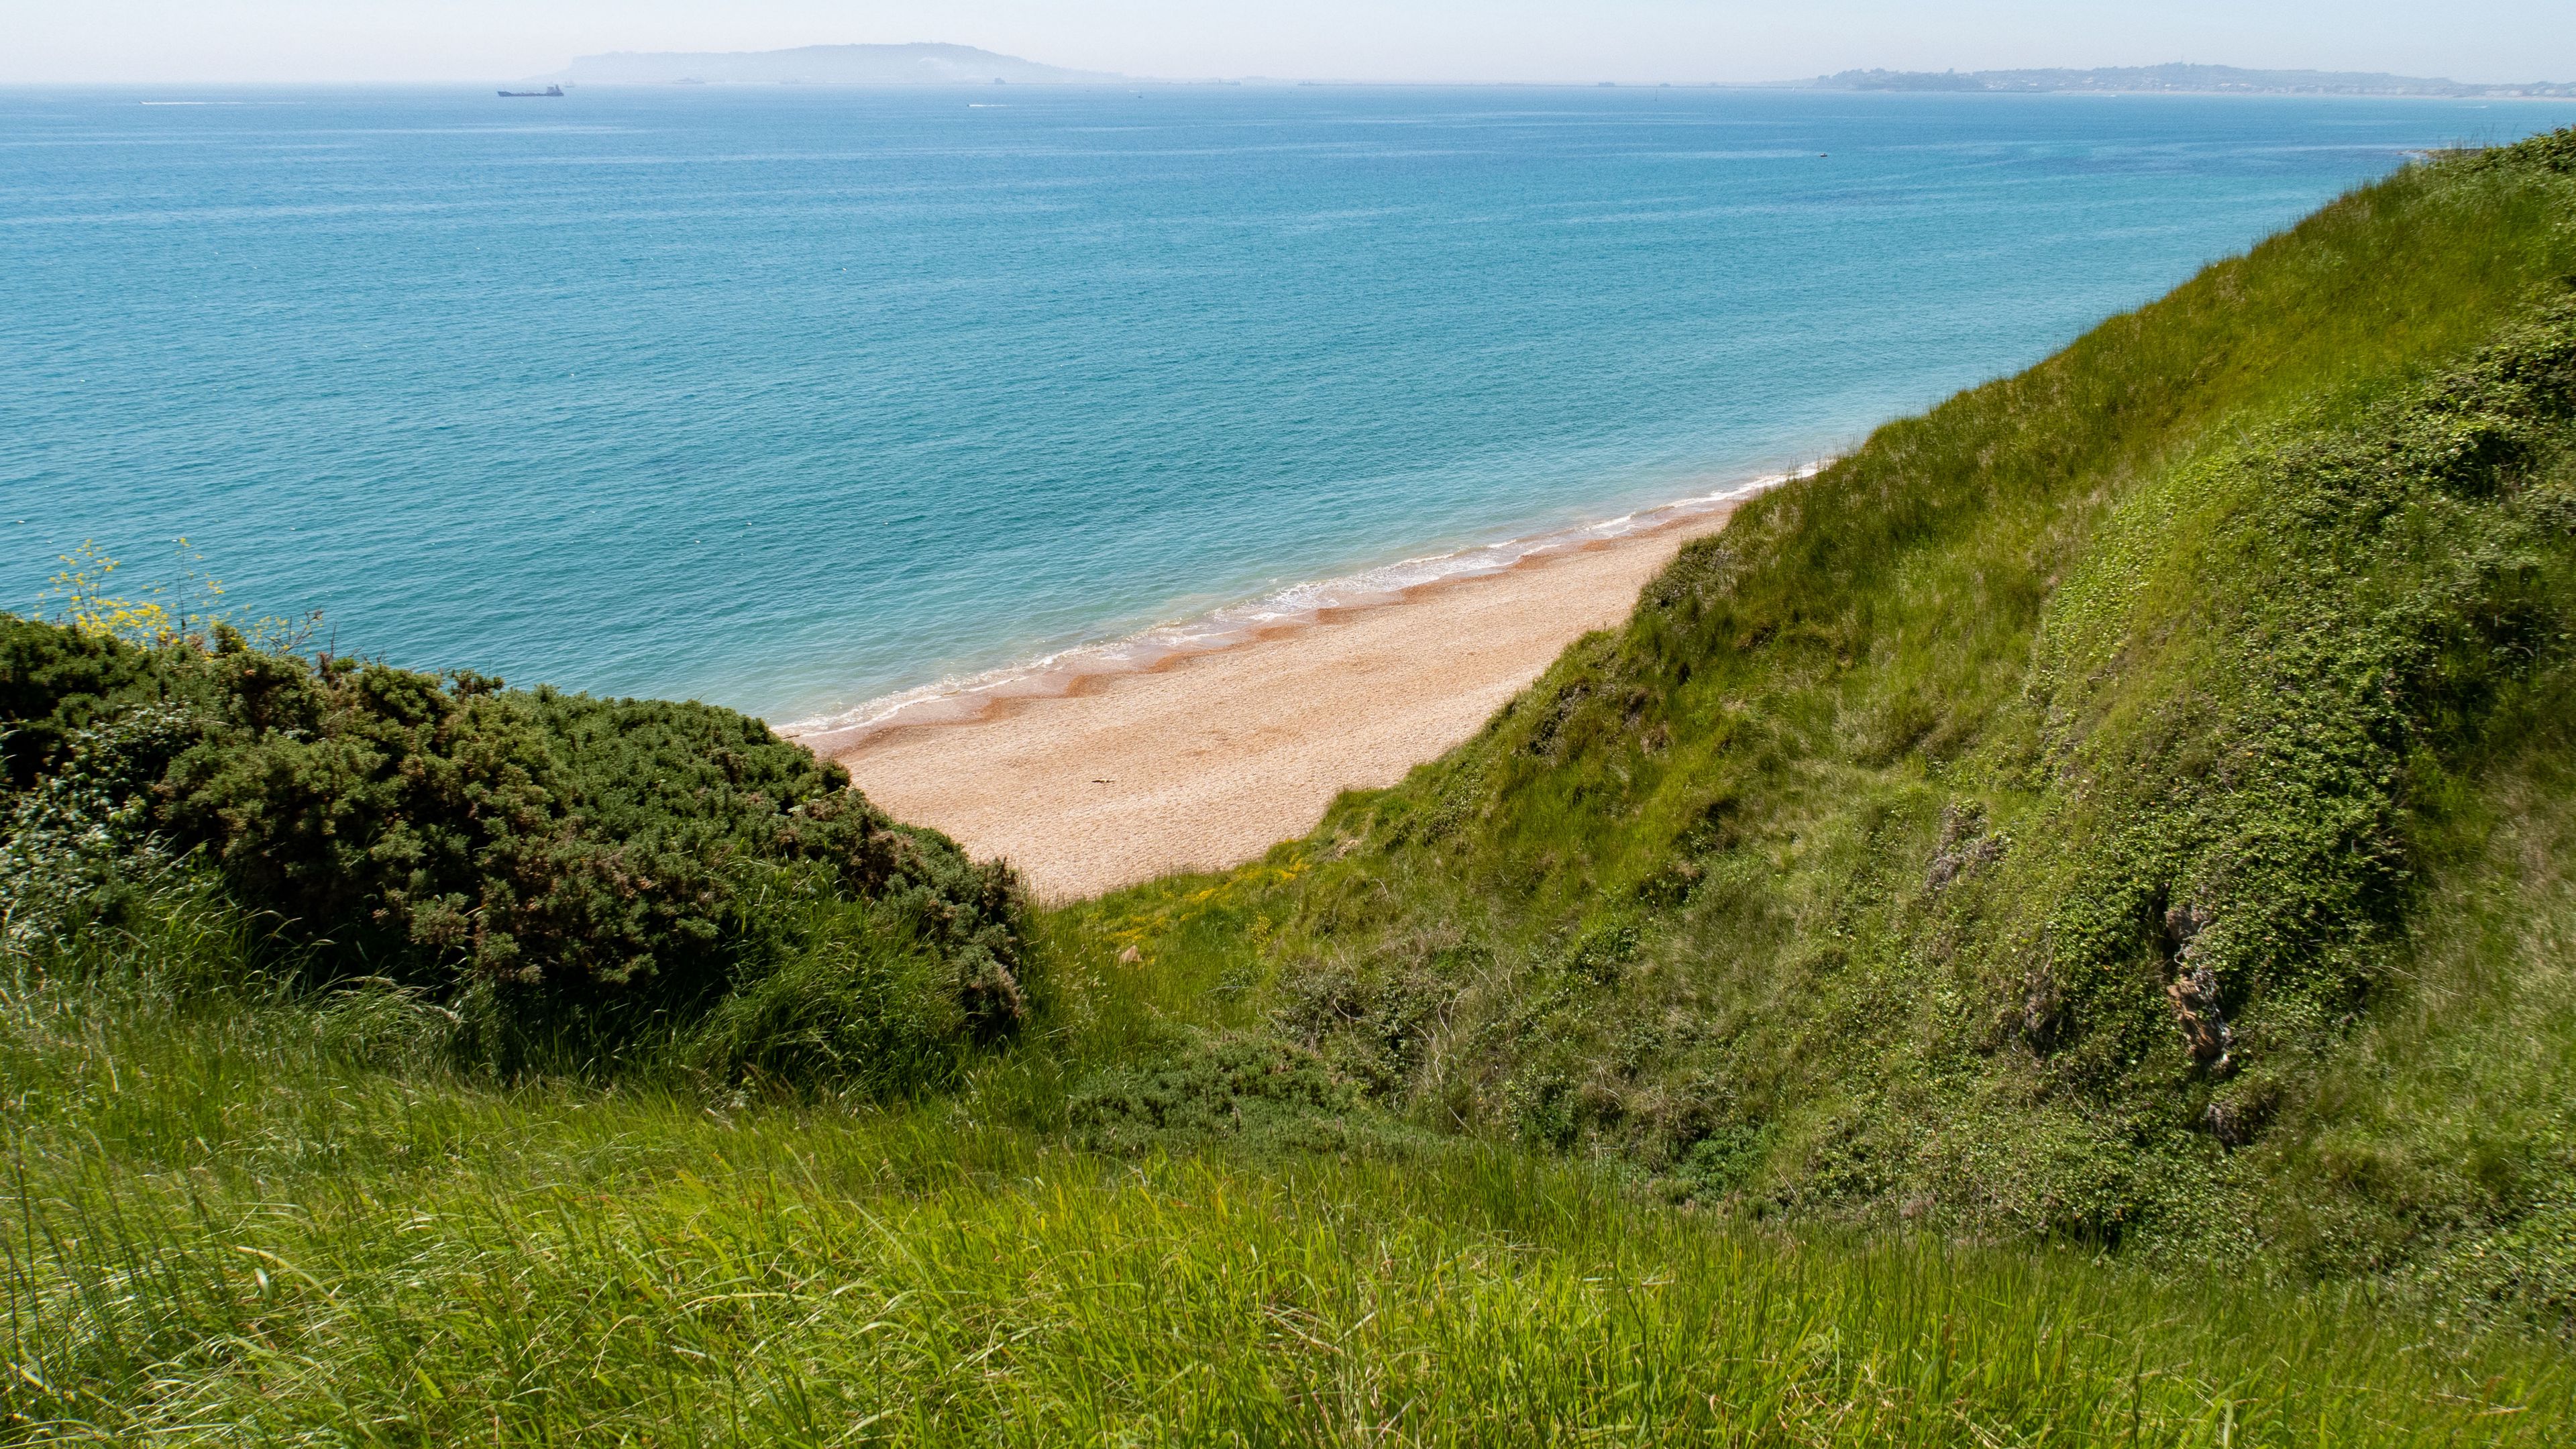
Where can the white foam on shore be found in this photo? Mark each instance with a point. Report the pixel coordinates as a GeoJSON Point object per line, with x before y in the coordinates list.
{"type": "Point", "coordinates": [965, 699]}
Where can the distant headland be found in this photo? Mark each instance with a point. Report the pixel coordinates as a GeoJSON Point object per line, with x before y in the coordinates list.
{"type": "Point", "coordinates": [2178, 77]}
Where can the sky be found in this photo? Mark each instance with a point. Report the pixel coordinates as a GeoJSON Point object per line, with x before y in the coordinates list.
{"type": "Point", "coordinates": [1682, 41]}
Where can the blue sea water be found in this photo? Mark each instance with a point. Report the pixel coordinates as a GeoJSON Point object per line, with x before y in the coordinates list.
{"type": "Point", "coordinates": [788, 399]}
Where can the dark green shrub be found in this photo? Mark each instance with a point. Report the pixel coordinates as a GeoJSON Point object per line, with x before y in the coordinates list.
{"type": "Point", "coordinates": [78, 852]}
{"type": "Point", "coordinates": [54, 682]}
{"type": "Point", "coordinates": [575, 874]}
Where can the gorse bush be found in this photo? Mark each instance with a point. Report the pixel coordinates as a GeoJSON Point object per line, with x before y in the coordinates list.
{"type": "Point", "coordinates": [572, 875]}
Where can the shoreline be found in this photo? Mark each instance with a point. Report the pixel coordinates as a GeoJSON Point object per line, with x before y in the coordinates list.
{"type": "Point", "coordinates": [1199, 746]}
{"type": "Point", "coordinates": [1080, 669]}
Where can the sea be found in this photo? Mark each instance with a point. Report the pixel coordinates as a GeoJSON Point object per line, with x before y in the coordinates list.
{"type": "Point", "coordinates": [800, 400]}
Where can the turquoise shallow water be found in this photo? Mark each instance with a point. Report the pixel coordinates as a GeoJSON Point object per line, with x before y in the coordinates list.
{"type": "Point", "coordinates": [789, 399]}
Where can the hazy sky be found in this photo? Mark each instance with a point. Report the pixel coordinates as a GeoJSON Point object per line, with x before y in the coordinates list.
{"type": "Point", "coordinates": [1625, 40]}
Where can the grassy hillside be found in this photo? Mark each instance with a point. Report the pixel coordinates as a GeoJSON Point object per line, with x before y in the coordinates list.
{"type": "Point", "coordinates": [2051, 930]}
{"type": "Point", "coordinates": [2090, 810]}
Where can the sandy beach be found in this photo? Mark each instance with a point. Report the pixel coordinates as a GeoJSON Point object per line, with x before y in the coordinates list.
{"type": "Point", "coordinates": [1210, 760]}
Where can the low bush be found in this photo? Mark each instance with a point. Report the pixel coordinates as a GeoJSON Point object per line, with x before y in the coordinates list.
{"type": "Point", "coordinates": [576, 878]}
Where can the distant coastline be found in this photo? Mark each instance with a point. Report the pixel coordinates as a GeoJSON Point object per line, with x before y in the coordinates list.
{"type": "Point", "coordinates": [2179, 78]}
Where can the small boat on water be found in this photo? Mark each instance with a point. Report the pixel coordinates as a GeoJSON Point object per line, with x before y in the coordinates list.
{"type": "Point", "coordinates": [548, 91]}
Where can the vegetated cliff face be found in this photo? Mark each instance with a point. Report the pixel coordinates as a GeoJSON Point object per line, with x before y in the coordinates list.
{"type": "Point", "coordinates": [2126, 803]}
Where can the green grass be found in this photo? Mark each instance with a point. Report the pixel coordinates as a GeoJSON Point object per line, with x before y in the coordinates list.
{"type": "Point", "coordinates": [221, 1224]}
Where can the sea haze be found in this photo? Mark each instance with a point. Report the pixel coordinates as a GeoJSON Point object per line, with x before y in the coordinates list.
{"type": "Point", "coordinates": [788, 398]}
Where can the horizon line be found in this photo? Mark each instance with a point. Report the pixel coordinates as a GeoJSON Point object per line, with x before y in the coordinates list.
{"type": "Point", "coordinates": [1117, 82]}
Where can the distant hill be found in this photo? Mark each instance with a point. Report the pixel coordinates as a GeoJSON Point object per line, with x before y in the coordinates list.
{"type": "Point", "coordinates": [2215, 79]}
{"type": "Point", "coordinates": [822, 65]}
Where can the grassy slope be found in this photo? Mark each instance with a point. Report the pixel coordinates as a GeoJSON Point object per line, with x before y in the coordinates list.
{"type": "Point", "coordinates": [2079, 644]}
{"type": "Point", "coordinates": [1846, 881]}
{"type": "Point", "coordinates": [238, 1218]}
